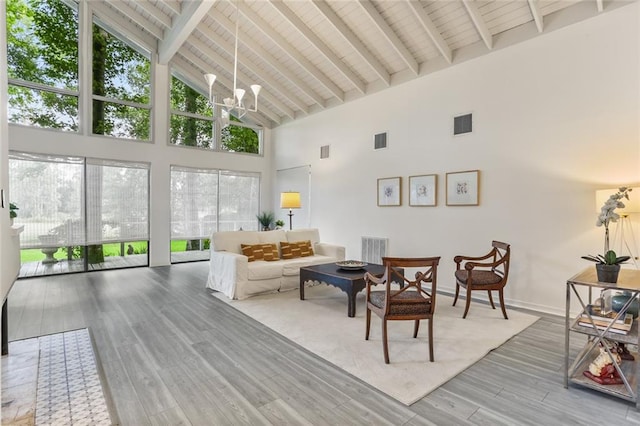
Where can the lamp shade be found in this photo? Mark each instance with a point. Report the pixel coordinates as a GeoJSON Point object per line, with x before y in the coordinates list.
{"type": "Point", "coordinates": [290, 200]}
{"type": "Point", "coordinates": [632, 205]}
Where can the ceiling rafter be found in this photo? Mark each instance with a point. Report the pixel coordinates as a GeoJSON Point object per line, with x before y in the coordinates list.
{"type": "Point", "coordinates": [600, 5]}
{"type": "Point", "coordinates": [255, 68]}
{"type": "Point", "coordinates": [431, 29]}
{"type": "Point", "coordinates": [172, 4]}
{"type": "Point", "coordinates": [391, 36]}
{"type": "Point", "coordinates": [242, 77]}
{"type": "Point", "coordinates": [189, 71]}
{"type": "Point", "coordinates": [137, 18]}
{"type": "Point", "coordinates": [152, 10]}
{"type": "Point", "coordinates": [193, 12]}
{"type": "Point", "coordinates": [292, 52]}
{"type": "Point", "coordinates": [479, 23]}
{"type": "Point", "coordinates": [312, 38]}
{"type": "Point", "coordinates": [536, 14]}
{"type": "Point", "coordinates": [353, 40]}
{"type": "Point", "coordinates": [116, 21]}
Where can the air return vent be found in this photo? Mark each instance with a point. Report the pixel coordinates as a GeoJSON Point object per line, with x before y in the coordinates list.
{"type": "Point", "coordinates": [374, 249]}
{"type": "Point", "coordinates": [380, 141]}
{"type": "Point", "coordinates": [462, 124]}
{"type": "Point", "coordinates": [324, 151]}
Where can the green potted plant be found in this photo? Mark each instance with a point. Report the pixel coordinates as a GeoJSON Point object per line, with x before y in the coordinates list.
{"type": "Point", "coordinates": [265, 219]}
{"type": "Point", "coordinates": [607, 266]}
{"type": "Point", "coordinates": [279, 223]}
{"type": "Point", "coordinates": [12, 211]}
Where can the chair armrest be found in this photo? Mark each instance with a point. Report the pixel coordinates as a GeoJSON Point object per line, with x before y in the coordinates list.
{"type": "Point", "coordinates": [369, 277]}
{"type": "Point", "coordinates": [226, 271]}
{"type": "Point", "coordinates": [331, 250]}
{"type": "Point", "coordinates": [470, 265]}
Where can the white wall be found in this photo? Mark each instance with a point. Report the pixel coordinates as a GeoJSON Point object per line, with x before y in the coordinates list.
{"type": "Point", "coordinates": [555, 118]}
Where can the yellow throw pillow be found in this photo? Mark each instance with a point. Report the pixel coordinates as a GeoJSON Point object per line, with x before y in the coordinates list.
{"type": "Point", "coordinates": [296, 249]}
{"type": "Point", "coordinates": [268, 252]}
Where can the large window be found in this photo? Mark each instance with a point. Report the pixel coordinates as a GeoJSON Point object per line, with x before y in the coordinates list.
{"type": "Point", "coordinates": [239, 138]}
{"type": "Point", "coordinates": [79, 214]}
{"type": "Point", "coordinates": [205, 201]}
{"type": "Point", "coordinates": [42, 59]}
{"type": "Point", "coordinates": [192, 121]}
{"type": "Point", "coordinates": [121, 87]}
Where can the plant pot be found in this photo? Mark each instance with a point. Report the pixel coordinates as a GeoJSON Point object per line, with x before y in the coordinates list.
{"type": "Point", "coordinates": [607, 273]}
{"type": "Point", "coordinates": [618, 301]}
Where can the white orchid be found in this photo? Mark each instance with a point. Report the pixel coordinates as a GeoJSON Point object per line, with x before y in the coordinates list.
{"type": "Point", "coordinates": [608, 214]}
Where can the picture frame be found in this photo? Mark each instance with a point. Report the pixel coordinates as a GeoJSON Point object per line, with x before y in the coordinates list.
{"type": "Point", "coordinates": [389, 191]}
{"type": "Point", "coordinates": [423, 190]}
{"type": "Point", "coordinates": [463, 188]}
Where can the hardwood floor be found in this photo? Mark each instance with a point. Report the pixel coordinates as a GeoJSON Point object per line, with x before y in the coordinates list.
{"type": "Point", "coordinates": [173, 354]}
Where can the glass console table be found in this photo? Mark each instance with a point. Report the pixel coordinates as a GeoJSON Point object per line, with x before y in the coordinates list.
{"type": "Point", "coordinates": [629, 280]}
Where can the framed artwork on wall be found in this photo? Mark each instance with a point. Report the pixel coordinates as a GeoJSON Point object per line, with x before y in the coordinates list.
{"type": "Point", "coordinates": [423, 190]}
{"type": "Point", "coordinates": [463, 188]}
{"type": "Point", "coordinates": [389, 191]}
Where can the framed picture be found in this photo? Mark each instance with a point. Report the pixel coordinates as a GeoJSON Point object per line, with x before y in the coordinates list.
{"type": "Point", "coordinates": [389, 191]}
{"type": "Point", "coordinates": [463, 188]}
{"type": "Point", "coordinates": [423, 190]}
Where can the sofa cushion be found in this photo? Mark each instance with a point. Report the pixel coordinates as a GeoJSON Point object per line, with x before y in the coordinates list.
{"type": "Point", "coordinates": [268, 252]}
{"type": "Point", "coordinates": [292, 267]}
{"type": "Point", "coordinates": [292, 250]}
{"type": "Point", "coordinates": [272, 237]}
{"type": "Point", "coordinates": [261, 270]}
{"type": "Point", "coordinates": [231, 240]}
{"type": "Point", "coordinates": [311, 234]}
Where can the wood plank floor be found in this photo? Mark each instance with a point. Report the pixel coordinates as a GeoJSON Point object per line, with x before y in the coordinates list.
{"type": "Point", "coordinates": [173, 354]}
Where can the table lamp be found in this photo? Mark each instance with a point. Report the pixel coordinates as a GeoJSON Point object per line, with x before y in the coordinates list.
{"type": "Point", "coordinates": [290, 200]}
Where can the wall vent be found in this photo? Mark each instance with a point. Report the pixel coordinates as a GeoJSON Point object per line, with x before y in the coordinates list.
{"type": "Point", "coordinates": [374, 249]}
{"type": "Point", "coordinates": [380, 141]}
{"type": "Point", "coordinates": [462, 124]}
{"type": "Point", "coordinates": [324, 151]}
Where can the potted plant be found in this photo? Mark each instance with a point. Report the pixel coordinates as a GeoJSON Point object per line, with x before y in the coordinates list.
{"type": "Point", "coordinates": [265, 219]}
{"type": "Point", "coordinates": [607, 266]}
{"type": "Point", "coordinates": [12, 211]}
{"type": "Point", "coordinates": [279, 223]}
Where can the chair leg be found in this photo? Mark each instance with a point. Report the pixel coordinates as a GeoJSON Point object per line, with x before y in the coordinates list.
{"type": "Point", "coordinates": [384, 341]}
{"type": "Point", "coordinates": [366, 335]}
{"type": "Point", "coordinates": [491, 299]}
{"type": "Point", "coordinates": [504, 311]}
{"type": "Point", "coordinates": [466, 308]}
{"type": "Point", "coordinates": [455, 299]}
{"type": "Point", "coordinates": [430, 339]}
{"type": "Point", "coordinates": [415, 329]}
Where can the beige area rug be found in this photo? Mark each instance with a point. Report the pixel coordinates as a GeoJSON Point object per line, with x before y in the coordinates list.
{"type": "Point", "coordinates": [320, 324]}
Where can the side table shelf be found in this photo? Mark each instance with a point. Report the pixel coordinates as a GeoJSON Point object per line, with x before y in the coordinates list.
{"type": "Point", "coordinates": [629, 280]}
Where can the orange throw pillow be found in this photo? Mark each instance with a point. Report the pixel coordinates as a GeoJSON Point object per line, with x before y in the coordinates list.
{"type": "Point", "coordinates": [296, 249]}
{"type": "Point", "coordinates": [268, 252]}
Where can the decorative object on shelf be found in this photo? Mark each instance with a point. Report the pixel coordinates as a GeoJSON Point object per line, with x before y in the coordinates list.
{"type": "Point", "coordinates": [389, 191]}
{"type": "Point", "coordinates": [290, 200]}
{"type": "Point", "coordinates": [423, 190]}
{"type": "Point", "coordinates": [607, 266]}
{"type": "Point", "coordinates": [463, 188]}
{"type": "Point", "coordinates": [234, 103]}
{"type": "Point", "coordinates": [621, 242]}
{"type": "Point", "coordinates": [619, 300]}
{"type": "Point", "coordinates": [265, 219]}
{"type": "Point", "coordinates": [352, 265]}
{"type": "Point", "coordinates": [601, 370]}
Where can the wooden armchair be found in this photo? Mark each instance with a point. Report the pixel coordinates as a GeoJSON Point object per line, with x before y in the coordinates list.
{"type": "Point", "coordinates": [488, 272]}
{"type": "Point", "coordinates": [413, 300]}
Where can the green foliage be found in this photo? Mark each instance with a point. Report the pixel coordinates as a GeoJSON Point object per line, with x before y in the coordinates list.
{"type": "Point", "coordinates": [265, 219]}
{"type": "Point", "coordinates": [240, 139]}
{"type": "Point", "coordinates": [12, 210]}
{"type": "Point", "coordinates": [609, 258]}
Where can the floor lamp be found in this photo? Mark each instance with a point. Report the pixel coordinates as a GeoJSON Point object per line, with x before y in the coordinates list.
{"type": "Point", "coordinates": [290, 200]}
{"type": "Point", "coordinates": [624, 239]}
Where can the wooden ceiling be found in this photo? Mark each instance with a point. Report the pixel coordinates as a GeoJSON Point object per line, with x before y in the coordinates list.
{"type": "Point", "coordinates": [313, 55]}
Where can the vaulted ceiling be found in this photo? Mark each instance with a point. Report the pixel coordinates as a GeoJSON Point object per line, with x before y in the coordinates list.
{"type": "Point", "coordinates": [313, 55]}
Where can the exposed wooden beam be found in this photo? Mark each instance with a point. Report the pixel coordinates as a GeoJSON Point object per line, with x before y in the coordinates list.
{"type": "Point", "coordinates": [193, 12]}
{"type": "Point", "coordinates": [537, 15]}
{"type": "Point", "coordinates": [390, 35]}
{"type": "Point", "coordinates": [320, 46]}
{"type": "Point", "coordinates": [189, 71]}
{"type": "Point", "coordinates": [242, 77]}
{"type": "Point", "coordinates": [116, 21]}
{"type": "Point", "coordinates": [157, 14]}
{"type": "Point", "coordinates": [479, 23]}
{"type": "Point", "coordinates": [431, 29]}
{"type": "Point", "coordinates": [292, 52]}
{"type": "Point", "coordinates": [137, 18]}
{"type": "Point", "coordinates": [174, 5]}
{"type": "Point", "coordinates": [255, 68]}
{"type": "Point", "coordinates": [600, 5]}
{"type": "Point", "coordinates": [353, 40]}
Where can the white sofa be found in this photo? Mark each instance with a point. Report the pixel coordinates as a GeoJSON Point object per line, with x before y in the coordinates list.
{"type": "Point", "coordinates": [231, 273]}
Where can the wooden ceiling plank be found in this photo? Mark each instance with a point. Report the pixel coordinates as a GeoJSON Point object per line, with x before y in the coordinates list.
{"type": "Point", "coordinates": [481, 26]}
{"type": "Point", "coordinates": [292, 52]}
{"type": "Point", "coordinates": [600, 5]}
{"type": "Point", "coordinates": [136, 17]}
{"type": "Point", "coordinates": [431, 29]}
{"type": "Point", "coordinates": [537, 15]}
{"type": "Point", "coordinates": [224, 81]}
{"type": "Point", "coordinates": [354, 41]}
{"type": "Point", "coordinates": [255, 68]}
{"type": "Point", "coordinates": [157, 14]}
{"type": "Point", "coordinates": [192, 13]}
{"type": "Point", "coordinates": [116, 21]}
{"type": "Point", "coordinates": [391, 36]}
{"type": "Point", "coordinates": [319, 45]}
{"type": "Point", "coordinates": [242, 77]}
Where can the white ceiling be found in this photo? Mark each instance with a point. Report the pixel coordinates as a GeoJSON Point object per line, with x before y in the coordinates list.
{"type": "Point", "coordinates": [313, 55]}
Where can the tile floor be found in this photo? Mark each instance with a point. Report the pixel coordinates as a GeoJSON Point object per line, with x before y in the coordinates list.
{"type": "Point", "coordinates": [68, 388]}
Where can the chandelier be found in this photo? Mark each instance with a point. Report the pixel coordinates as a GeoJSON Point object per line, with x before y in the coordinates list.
{"type": "Point", "coordinates": [234, 103]}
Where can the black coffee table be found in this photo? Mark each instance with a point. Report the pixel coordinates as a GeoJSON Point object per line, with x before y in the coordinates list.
{"type": "Point", "coordinates": [349, 281]}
